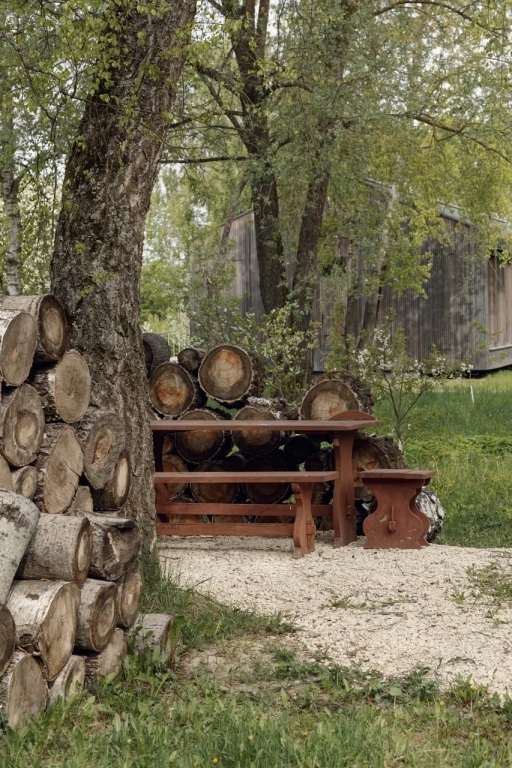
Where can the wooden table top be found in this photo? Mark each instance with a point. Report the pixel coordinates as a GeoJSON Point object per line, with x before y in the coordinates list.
{"type": "Point", "coordinates": [230, 425]}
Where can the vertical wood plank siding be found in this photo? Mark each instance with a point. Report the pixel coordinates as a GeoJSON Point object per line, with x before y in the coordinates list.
{"type": "Point", "coordinates": [462, 293]}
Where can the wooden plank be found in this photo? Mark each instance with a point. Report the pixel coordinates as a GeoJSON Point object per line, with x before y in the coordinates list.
{"type": "Point", "coordinates": [227, 529]}
{"type": "Point", "coordinates": [324, 426]}
{"type": "Point", "coordinates": [245, 477]}
{"type": "Point", "coordinates": [256, 510]}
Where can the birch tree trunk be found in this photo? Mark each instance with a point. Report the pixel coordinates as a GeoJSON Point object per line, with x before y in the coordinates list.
{"type": "Point", "coordinates": [108, 181]}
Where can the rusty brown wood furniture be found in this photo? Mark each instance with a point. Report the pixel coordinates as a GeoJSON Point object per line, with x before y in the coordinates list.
{"type": "Point", "coordinates": [396, 522]}
{"type": "Point", "coordinates": [342, 433]}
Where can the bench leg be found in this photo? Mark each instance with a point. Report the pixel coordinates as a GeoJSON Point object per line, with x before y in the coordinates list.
{"type": "Point", "coordinates": [343, 505]}
{"type": "Point", "coordinates": [304, 525]}
{"type": "Point", "coordinates": [396, 523]}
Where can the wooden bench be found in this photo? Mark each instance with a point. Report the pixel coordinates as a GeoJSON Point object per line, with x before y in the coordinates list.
{"type": "Point", "coordinates": [302, 530]}
{"type": "Point", "coordinates": [396, 522]}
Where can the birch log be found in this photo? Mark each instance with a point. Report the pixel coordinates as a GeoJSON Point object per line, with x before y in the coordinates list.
{"type": "Point", "coordinates": [67, 560]}
{"type": "Point", "coordinates": [103, 438]}
{"type": "Point", "coordinates": [18, 340]}
{"type": "Point", "coordinates": [114, 494]}
{"type": "Point", "coordinates": [6, 479]}
{"type": "Point", "coordinates": [97, 617]}
{"type": "Point", "coordinates": [59, 463]}
{"type": "Point", "coordinates": [50, 320]}
{"type": "Point", "coordinates": [129, 590]}
{"type": "Point", "coordinates": [116, 543]}
{"type": "Point", "coordinates": [24, 481]}
{"type": "Point", "coordinates": [7, 637]}
{"type": "Point", "coordinates": [45, 614]}
{"type": "Point", "coordinates": [23, 690]}
{"type": "Point", "coordinates": [18, 522]}
{"type": "Point", "coordinates": [22, 425]}
{"type": "Point", "coordinates": [110, 660]}
{"type": "Point", "coordinates": [157, 630]}
{"type": "Point", "coordinates": [64, 388]}
{"type": "Point", "coordinates": [70, 679]}
{"type": "Point", "coordinates": [83, 500]}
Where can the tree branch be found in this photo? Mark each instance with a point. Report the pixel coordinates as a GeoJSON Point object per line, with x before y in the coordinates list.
{"type": "Point", "coordinates": [459, 131]}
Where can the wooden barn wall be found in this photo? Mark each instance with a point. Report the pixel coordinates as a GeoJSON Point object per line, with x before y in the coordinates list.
{"type": "Point", "coordinates": [461, 294]}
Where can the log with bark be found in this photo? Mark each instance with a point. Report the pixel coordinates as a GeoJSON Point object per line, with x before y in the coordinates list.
{"type": "Point", "coordinates": [333, 393]}
{"type": "Point", "coordinates": [61, 548]}
{"type": "Point", "coordinates": [190, 358]}
{"type": "Point", "coordinates": [7, 638]}
{"type": "Point", "coordinates": [281, 408]}
{"type": "Point", "coordinates": [59, 463]}
{"type": "Point", "coordinates": [256, 443]}
{"type": "Point", "coordinates": [18, 340]}
{"type": "Point", "coordinates": [172, 463]}
{"type": "Point", "coordinates": [82, 500]}
{"type": "Point", "coordinates": [23, 690]}
{"type": "Point", "coordinates": [18, 521]}
{"type": "Point", "coordinates": [116, 543]}
{"type": "Point", "coordinates": [172, 390]}
{"type": "Point", "coordinates": [109, 661]}
{"type": "Point", "coordinates": [21, 425]}
{"type": "Point", "coordinates": [103, 438]}
{"type": "Point", "coordinates": [97, 616]}
{"type": "Point", "coordinates": [230, 375]}
{"type": "Point", "coordinates": [24, 481]}
{"type": "Point", "coordinates": [6, 479]}
{"type": "Point", "coordinates": [156, 351]}
{"type": "Point", "coordinates": [157, 631]}
{"type": "Point", "coordinates": [64, 388]}
{"type": "Point", "coordinates": [51, 324]}
{"type": "Point", "coordinates": [114, 494]}
{"type": "Point", "coordinates": [70, 679]}
{"type": "Point", "coordinates": [214, 493]}
{"type": "Point", "coordinates": [45, 614]}
{"type": "Point", "coordinates": [198, 446]}
{"type": "Point", "coordinates": [129, 590]}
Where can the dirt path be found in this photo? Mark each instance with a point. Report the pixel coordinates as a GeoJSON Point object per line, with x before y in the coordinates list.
{"type": "Point", "coordinates": [393, 611]}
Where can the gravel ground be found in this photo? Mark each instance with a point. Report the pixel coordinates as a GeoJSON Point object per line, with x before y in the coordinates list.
{"type": "Point", "coordinates": [390, 610]}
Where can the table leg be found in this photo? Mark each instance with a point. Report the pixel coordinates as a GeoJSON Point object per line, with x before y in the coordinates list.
{"type": "Point", "coordinates": [343, 505]}
{"type": "Point", "coordinates": [303, 527]}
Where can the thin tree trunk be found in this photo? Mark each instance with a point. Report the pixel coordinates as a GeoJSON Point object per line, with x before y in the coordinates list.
{"type": "Point", "coordinates": [10, 193]}
{"type": "Point", "coordinates": [109, 177]}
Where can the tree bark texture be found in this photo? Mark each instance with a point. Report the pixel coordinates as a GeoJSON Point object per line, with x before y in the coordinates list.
{"type": "Point", "coordinates": [22, 425]}
{"type": "Point", "coordinates": [156, 351]}
{"type": "Point", "coordinates": [46, 615]}
{"type": "Point", "coordinates": [103, 438]}
{"type": "Point", "coordinates": [18, 522]}
{"type": "Point", "coordinates": [10, 194]}
{"type": "Point", "coordinates": [50, 319]}
{"type": "Point", "coordinates": [114, 494]}
{"type": "Point", "coordinates": [23, 690]}
{"type": "Point", "coordinates": [108, 181]}
{"type": "Point", "coordinates": [65, 388]}
{"type": "Point", "coordinates": [157, 630]}
{"type": "Point", "coordinates": [7, 638]}
{"type": "Point", "coordinates": [61, 548]}
{"type": "Point", "coordinates": [115, 545]}
{"type": "Point", "coordinates": [110, 660]}
{"type": "Point", "coordinates": [6, 479]}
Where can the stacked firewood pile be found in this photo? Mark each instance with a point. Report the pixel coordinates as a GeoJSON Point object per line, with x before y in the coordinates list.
{"type": "Point", "coordinates": [226, 383]}
{"type": "Point", "coordinates": [70, 579]}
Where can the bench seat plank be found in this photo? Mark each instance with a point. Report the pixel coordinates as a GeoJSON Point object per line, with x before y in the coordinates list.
{"type": "Point", "coordinates": [245, 477]}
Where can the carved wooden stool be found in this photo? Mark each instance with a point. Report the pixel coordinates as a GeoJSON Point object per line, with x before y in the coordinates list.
{"type": "Point", "coordinates": [396, 523]}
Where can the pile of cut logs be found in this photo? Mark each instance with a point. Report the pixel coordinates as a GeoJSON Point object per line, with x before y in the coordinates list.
{"type": "Point", "coordinates": [231, 381]}
{"type": "Point", "coordinates": [70, 579]}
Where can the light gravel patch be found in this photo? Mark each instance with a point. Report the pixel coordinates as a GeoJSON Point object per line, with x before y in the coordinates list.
{"type": "Point", "coordinates": [390, 610]}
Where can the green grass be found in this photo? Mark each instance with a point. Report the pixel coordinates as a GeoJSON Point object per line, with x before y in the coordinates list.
{"type": "Point", "coordinates": [240, 697]}
{"type": "Point", "coordinates": [464, 432]}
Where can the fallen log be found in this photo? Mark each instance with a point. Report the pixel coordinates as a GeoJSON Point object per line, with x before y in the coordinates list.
{"type": "Point", "coordinates": [157, 631]}
{"type": "Point", "coordinates": [82, 500]}
{"type": "Point", "coordinates": [172, 463]}
{"type": "Point", "coordinates": [103, 438]}
{"type": "Point", "coordinates": [50, 320]}
{"type": "Point", "coordinates": [21, 425]}
{"type": "Point", "coordinates": [7, 638]}
{"type": "Point", "coordinates": [333, 393]}
{"type": "Point", "coordinates": [60, 463]}
{"type": "Point", "coordinates": [23, 690]}
{"type": "Point", "coordinates": [6, 479]}
{"type": "Point", "coordinates": [256, 443]}
{"type": "Point", "coordinates": [18, 341]}
{"type": "Point", "coordinates": [45, 614]}
{"type": "Point", "coordinates": [230, 375]}
{"type": "Point", "coordinates": [200, 445]}
{"type": "Point", "coordinates": [97, 616]}
{"type": "Point", "coordinates": [114, 494]}
{"type": "Point", "coordinates": [67, 560]}
{"type": "Point", "coordinates": [190, 358]}
{"type": "Point", "coordinates": [64, 388]}
{"type": "Point", "coordinates": [70, 679]}
{"type": "Point", "coordinates": [18, 521]}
